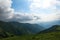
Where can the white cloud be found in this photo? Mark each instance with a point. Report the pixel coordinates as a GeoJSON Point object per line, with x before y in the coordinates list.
{"type": "Point", "coordinates": [58, 2]}
{"type": "Point", "coordinates": [49, 17]}
{"type": "Point", "coordinates": [8, 14]}
{"type": "Point", "coordinates": [44, 4]}
{"type": "Point", "coordinates": [36, 17]}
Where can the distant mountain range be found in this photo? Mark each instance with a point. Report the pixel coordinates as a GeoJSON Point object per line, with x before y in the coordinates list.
{"type": "Point", "coordinates": [14, 28]}
{"type": "Point", "coordinates": [20, 28]}
{"type": "Point", "coordinates": [54, 28]}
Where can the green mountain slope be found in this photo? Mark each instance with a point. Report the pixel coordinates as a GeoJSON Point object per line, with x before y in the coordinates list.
{"type": "Point", "coordinates": [52, 34]}
{"type": "Point", "coordinates": [20, 28]}
{"type": "Point", "coordinates": [55, 28]}
{"type": "Point", "coordinates": [4, 34]}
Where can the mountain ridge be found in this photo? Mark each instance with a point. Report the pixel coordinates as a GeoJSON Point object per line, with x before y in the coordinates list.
{"type": "Point", "coordinates": [20, 28]}
{"type": "Point", "coordinates": [52, 33]}
{"type": "Point", "coordinates": [54, 28]}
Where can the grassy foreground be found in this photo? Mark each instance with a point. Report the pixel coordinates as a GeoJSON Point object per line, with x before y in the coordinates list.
{"type": "Point", "coordinates": [42, 36]}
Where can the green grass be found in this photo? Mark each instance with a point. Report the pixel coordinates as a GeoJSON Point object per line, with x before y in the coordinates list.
{"type": "Point", "coordinates": [42, 36]}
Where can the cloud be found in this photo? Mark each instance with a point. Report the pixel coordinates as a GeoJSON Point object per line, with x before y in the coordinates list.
{"type": "Point", "coordinates": [58, 2]}
{"type": "Point", "coordinates": [24, 17]}
{"type": "Point", "coordinates": [8, 14]}
{"type": "Point", "coordinates": [44, 4]}
{"type": "Point", "coordinates": [35, 17]}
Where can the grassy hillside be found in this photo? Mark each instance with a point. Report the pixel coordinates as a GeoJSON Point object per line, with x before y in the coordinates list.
{"type": "Point", "coordinates": [4, 34]}
{"type": "Point", "coordinates": [52, 34]}
{"type": "Point", "coordinates": [46, 36]}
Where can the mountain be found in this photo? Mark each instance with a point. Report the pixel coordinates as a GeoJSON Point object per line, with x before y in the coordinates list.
{"type": "Point", "coordinates": [4, 34]}
{"type": "Point", "coordinates": [52, 33]}
{"type": "Point", "coordinates": [20, 28]}
{"type": "Point", "coordinates": [49, 24]}
{"type": "Point", "coordinates": [54, 28]}
{"type": "Point", "coordinates": [12, 30]}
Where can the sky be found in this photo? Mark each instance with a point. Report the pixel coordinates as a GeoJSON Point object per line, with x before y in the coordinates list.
{"type": "Point", "coordinates": [30, 11]}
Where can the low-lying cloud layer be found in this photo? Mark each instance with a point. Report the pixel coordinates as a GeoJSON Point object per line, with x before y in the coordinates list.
{"type": "Point", "coordinates": [8, 14]}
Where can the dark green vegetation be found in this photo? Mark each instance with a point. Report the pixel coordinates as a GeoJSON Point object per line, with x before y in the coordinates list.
{"type": "Point", "coordinates": [20, 28]}
{"type": "Point", "coordinates": [4, 34]}
{"type": "Point", "coordinates": [52, 33]}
